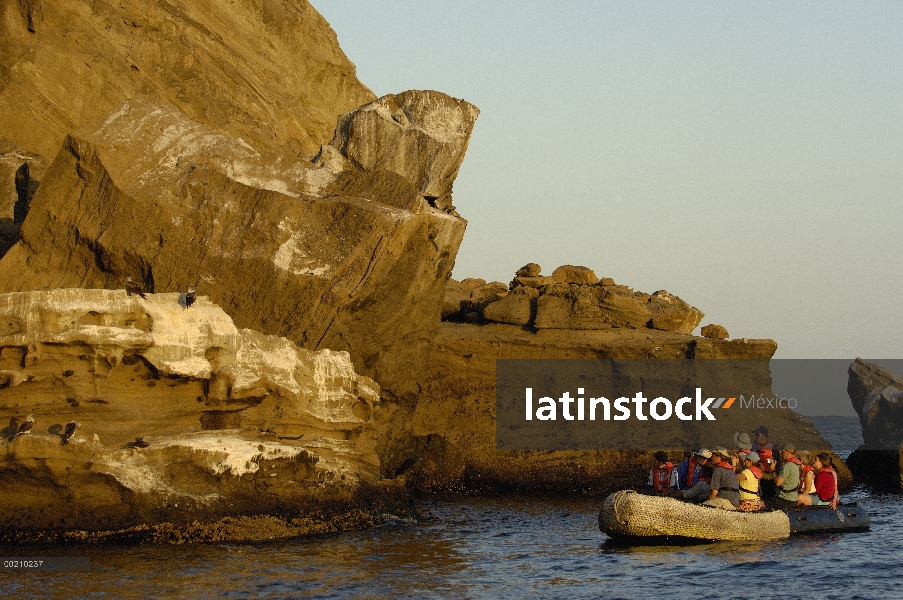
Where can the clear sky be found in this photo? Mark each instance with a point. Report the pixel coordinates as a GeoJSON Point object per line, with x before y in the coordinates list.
{"type": "Point", "coordinates": [746, 156]}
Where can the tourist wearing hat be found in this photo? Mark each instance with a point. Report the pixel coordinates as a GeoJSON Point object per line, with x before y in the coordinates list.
{"type": "Point", "coordinates": [699, 492]}
{"type": "Point", "coordinates": [787, 480]}
{"type": "Point", "coordinates": [689, 469]}
{"type": "Point", "coordinates": [765, 450]}
{"type": "Point", "coordinates": [725, 487]}
{"type": "Point", "coordinates": [749, 484]}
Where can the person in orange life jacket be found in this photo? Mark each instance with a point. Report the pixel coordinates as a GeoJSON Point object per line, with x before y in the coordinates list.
{"type": "Point", "coordinates": [765, 450]}
{"type": "Point", "coordinates": [725, 487]}
{"type": "Point", "coordinates": [807, 473]}
{"type": "Point", "coordinates": [663, 476]}
{"type": "Point", "coordinates": [700, 490]}
{"type": "Point", "coordinates": [749, 484]}
{"type": "Point", "coordinates": [788, 480]}
{"type": "Point", "coordinates": [825, 484]}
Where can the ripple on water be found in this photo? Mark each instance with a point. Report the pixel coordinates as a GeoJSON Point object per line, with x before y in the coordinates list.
{"type": "Point", "coordinates": [482, 548]}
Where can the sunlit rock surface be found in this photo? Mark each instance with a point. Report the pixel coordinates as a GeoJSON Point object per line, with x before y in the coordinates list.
{"type": "Point", "coordinates": [150, 194]}
{"type": "Point", "coordinates": [181, 415]}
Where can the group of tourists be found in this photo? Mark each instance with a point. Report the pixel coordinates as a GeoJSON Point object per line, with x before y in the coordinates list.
{"type": "Point", "coordinates": [753, 477]}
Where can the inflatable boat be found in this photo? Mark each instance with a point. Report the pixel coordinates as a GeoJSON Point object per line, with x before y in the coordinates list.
{"type": "Point", "coordinates": [639, 518]}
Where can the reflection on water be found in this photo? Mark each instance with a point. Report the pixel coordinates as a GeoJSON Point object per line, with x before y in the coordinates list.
{"type": "Point", "coordinates": [509, 547]}
{"type": "Point", "coordinates": [485, 548]}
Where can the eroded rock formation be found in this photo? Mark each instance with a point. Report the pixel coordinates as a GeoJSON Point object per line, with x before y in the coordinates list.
{"type": "Point", "coordinates": [448, 439]}
{"type": "Point", "coordinates": [572, 298]}
{"type": "Point", "coordinates": [290, 247]}
{"type": "Point", "coordinates": [271, 73]}
{"type": "Point", "coordinates": [181, 416]}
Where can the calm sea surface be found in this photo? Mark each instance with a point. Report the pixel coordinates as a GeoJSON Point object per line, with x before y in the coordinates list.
{"type": "Point", "coordinates": [494, 547]}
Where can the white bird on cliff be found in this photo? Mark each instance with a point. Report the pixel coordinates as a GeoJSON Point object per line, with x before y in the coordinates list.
{"type": "Point", "coordinates": [71, 426]}
{"type": "Point", "coordinates": [25, 427]}
{"type": "Point", "coordinates": [133, 288]}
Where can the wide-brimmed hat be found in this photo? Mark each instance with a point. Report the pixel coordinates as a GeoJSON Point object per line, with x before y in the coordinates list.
{"type": "Point", "coordinates": [721, 451]}
{"type": "Point", "coordinates": [752, 456]}
{"type": "Point", "coordinates": [741, 440]}
{"type": "Point", "coordinates": [789, 447]}
{"type": "Point", "coordinates": [704, 452]}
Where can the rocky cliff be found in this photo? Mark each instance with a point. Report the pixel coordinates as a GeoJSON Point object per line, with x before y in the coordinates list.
{"type": "Point", "coordinates": [269, 72]}
{"type": "Point", "coordinates": [448, 439]}
{"type": "Point", "coordinates": [178, 417]}
{"type": "Point", "coordinates": [345, 252]}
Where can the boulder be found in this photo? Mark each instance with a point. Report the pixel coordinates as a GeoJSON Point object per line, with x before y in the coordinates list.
{"type": "Point", "coordinates": [515, 308]}
{"type": "Point", "coordinates": [532, 282]}
{"type": "Point", "coordinates": [419, 136]}
{"type": "Point", "coordinates": [181, 417]}
{"type": "Point", "coordinates": [716, 332]}
{"type": "Point", "coordinates": [574, 274]}
{"type": "Point", "coordinates": [454, 295]}
{"type": "Point", "coordinates": [670, 313]}
{"type": "Point", "coordinates": [150, 194]}
{"type": "Point", "coordinates": [529, 270]}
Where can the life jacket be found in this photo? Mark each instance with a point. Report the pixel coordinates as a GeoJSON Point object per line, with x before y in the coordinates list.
{"type": "Point", "coordinates": [805, 471]}
{"type": "Point", "coordinates": [765, 452]}
{"type": "Point", "coordinates": [795, 460]}
{"type": "Point", "coordinates": [691, 470]}
{"type": "Point", "coordinates": [757, 473]}
{"type": "Point", "coordinates": [661, 478]}
{"type": "Point", "coordinates": [836, 497]}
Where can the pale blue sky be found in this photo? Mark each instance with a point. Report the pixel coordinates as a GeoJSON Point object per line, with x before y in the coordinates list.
{"type": "Point", "coordinates": [747, 157]}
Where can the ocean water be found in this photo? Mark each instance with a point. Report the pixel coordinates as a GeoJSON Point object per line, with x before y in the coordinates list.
{"type": "Point", "coordinates": [499, 547]}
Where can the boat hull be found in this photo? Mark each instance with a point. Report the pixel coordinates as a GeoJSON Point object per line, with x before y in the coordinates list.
{"type": "Point", "coordinates": [629, 515]}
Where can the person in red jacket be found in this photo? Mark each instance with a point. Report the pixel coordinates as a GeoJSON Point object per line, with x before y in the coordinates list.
{"type": "Point", "coordinates": [826, 493]}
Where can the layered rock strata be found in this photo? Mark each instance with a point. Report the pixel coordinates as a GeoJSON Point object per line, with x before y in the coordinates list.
{"type": "Point", "coordinates": [306, 250]}
{"type": "Point", "coordinates": [447, 441]}
{"type": "Point", "coordinates": [271, 73]}
{"type": "Point", "coordinates": [180, 417]}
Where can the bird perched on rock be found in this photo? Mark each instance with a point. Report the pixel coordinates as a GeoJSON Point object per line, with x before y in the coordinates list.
{"type": "Point", "coordinates": [191, 296]}
{"type": "Point", "coordinates": [133, 288]}
{"type": "Point", "coordinates": [71, 426]}
{"type": "Point", "coordinates": [25, 427]}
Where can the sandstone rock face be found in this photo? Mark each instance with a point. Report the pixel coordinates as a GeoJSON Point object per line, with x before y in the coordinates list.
{"type": "Point", "coordinates": [420, 136]}
{"type": "Point", "coordinates": [150, 194]}
{"type": "Point", "coordinates": [271, 73]}
{"type": "Point", "coordinates": [231, 422]}
{"type": "Point", "coordinates": [575, 298]}
{"type": "Point", "coordinates": [714, 331]}
{"type": "Point", "coordinates": [448, 440]}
